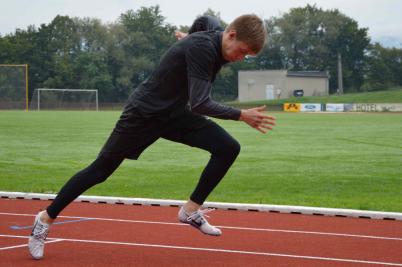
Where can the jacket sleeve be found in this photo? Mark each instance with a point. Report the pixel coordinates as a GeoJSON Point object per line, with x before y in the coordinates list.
{"type": "Point", "coordinates": [200, 62]}
{"type": "Point", "coordinates": [201, 102]}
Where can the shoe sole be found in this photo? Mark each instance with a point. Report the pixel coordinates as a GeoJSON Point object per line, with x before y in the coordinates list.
{"type": "Point", "coordinates": [196, 226]}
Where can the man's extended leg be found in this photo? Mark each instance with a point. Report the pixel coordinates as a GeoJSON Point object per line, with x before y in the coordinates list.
{"type": "Point", "coordinates": [95, 173]}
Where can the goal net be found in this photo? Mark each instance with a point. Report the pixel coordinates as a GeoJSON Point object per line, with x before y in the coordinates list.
{"type": "Point", "coordinates": [64, 99]}
{"type": "Point", "coordinates": [13, 86]}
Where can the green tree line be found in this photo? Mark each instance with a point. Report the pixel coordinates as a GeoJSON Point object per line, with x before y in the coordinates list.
{"type": "Point", "coordinates": [115, 57]}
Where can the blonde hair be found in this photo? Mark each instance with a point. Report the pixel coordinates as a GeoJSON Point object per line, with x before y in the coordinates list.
{"type": "Point", "coordinates": [251, 30]}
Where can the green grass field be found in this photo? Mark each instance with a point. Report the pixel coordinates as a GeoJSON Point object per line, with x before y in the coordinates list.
{"type": "Point", "coordinates": [326, 160]}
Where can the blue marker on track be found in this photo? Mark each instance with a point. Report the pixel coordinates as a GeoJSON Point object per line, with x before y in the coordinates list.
{"type": "Point", "coordinates": [16, 227]}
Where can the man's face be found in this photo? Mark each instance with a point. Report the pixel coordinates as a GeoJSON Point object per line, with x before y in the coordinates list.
{"type": "Point", "coordinates": [233, 50]}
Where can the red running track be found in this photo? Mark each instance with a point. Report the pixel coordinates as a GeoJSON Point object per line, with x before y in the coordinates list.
{"type": "Point", "coordinates": [122, 235]}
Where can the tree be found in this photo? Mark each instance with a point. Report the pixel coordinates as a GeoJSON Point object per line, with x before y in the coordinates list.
{"type": "Point", "coordinates": [383, 68]}
{"type": "Point", "coordinates": [24, 47]}
{"type": "Point", "coordinates": [394, 60]}
{"type": "Point", "coordinates": [90, 66]}
{"type": "Point", "coordinates": [117, 57]}
{"type": "Point", "coordinates": [271, 57]}
{"type": "Point", "coordinates": [138, 42]}
{"type": "Point", "coordinates": [61, 41]}
{"type": "Point", "coordinates": [310, 38]}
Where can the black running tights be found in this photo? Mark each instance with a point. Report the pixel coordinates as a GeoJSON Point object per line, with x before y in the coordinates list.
{"type": "Point", "coordinates": [223, 148]}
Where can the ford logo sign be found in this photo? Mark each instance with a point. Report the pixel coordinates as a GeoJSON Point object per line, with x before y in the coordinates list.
{"type": "Point", "coordinates": [309, 106]}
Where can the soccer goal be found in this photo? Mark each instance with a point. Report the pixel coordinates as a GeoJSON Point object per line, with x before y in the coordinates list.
{"type": "Point", "coordinates": [64, 99]}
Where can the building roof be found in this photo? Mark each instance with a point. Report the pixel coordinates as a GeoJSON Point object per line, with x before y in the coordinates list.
{"type": "Point", "coordinates": [315, 74]}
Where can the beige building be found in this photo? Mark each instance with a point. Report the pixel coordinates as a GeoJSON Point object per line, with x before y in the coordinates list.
{"type": "Point", "coordinates": [277, 84]}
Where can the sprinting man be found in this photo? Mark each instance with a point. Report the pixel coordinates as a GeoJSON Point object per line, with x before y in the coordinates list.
{"type": "Point", "coordinates": [173, 104]}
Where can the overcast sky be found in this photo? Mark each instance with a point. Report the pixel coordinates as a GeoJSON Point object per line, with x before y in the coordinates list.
{"type": "Point", "coordinates": [383, 18]}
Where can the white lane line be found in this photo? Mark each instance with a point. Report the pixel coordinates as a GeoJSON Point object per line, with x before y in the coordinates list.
{"type": "Point", "coordinates": [25, 245]}
{"type": "Point", "coordinates": [256, 253]}
{"type": "Point", "coordinates": [224, 227]}
{"type": "Point", "coordinates": [312, 233]}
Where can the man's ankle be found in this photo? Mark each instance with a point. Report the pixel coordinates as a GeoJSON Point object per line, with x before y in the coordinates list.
{"type": "Point", "coordinates": [191, 207]}
{"type": "Point", "coordinates": [45, 218]}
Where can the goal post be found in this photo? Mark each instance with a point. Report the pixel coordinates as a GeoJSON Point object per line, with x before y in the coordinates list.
{"type": "Point", "coordinates": [64, 99]}
{"type": "Point", "coordinates": [14, 86]}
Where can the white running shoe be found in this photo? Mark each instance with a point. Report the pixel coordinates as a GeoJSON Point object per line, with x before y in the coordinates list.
{"type": "Point", "coordinates": [197, 219]}
{"type": "Point", "coordinates": [36, 243]}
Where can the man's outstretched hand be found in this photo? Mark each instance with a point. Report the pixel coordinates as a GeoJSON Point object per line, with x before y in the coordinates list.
{"type": "Point", "coordinates": [256, 118]}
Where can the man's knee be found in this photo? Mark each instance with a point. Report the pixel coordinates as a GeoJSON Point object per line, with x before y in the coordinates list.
{"type": "Point", "coordinates": [229, 148]}
{"type": "Point", "coordinates": [102, 168]}
{"type": "Point", "coordinates": [235, 147]}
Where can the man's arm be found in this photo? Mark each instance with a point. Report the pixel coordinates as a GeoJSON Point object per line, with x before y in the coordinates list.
{"type": "Point", "coordinates": [201, 103]}
{"type": "Point", "coordinates": [199, 65]}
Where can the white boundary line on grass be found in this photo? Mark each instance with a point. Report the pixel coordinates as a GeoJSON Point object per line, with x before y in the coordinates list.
{"type": "Point", "coordinates": [220, 226]}
{"type": "Point", "coordinates": [256, 253]}
{"type": "Point", "coordinates": [217, 205]}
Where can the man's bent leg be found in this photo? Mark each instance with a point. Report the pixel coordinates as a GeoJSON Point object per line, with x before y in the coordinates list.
{"type": "Point", "coordinates": [224, 150]}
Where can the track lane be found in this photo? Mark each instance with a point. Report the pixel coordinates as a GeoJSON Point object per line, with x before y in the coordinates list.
{"type": "Point", "coordinates": [283, 243]}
